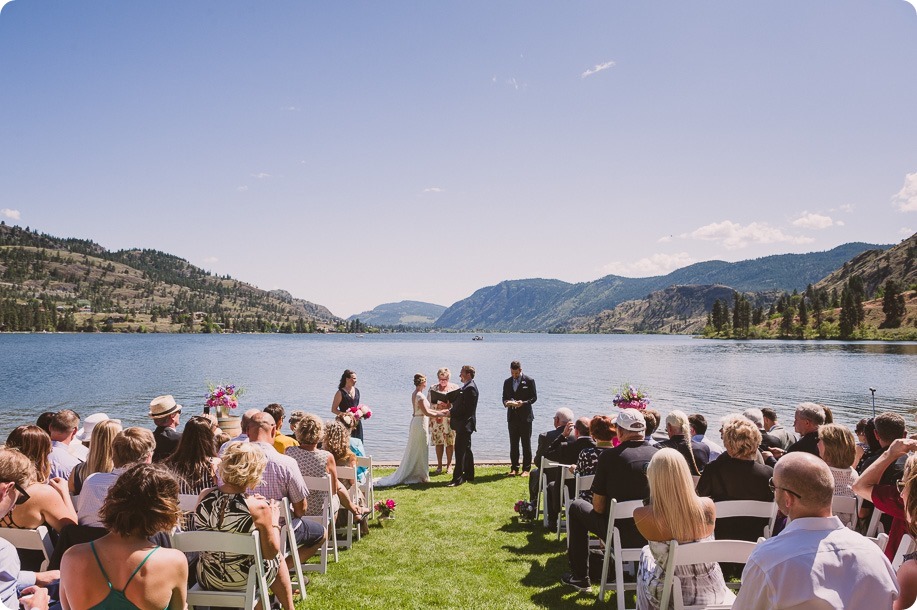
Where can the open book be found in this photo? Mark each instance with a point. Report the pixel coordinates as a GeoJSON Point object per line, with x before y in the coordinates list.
{"type": "Point", "coordinates": [437, 396]}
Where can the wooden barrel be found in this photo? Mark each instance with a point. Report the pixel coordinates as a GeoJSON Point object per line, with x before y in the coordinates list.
{"type": "Point", "coordinates": [230, 424]}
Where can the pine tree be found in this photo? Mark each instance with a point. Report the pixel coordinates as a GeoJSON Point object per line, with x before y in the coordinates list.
{"type": "Point", "coordinates": [893, 305]}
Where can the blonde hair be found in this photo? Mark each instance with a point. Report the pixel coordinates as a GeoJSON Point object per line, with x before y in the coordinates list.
{"type": "Point", "coordinates": [132, 445]}
{"type": "Point", "coordinates": [419, 379]}
{"type": "Point", "coordinates": [741, 437]}
{"type": "Point", "coordinates": [243, 465]}
{"type": "Point", "coordinates": [910, 489]}
{"type": "Point", "coordinates": [444, 371]}
{"type": "Point", "coordinates": [100, 447]}
{"type": "Point", "coordinates": [840, 445]}
{"type": "Point", "coordinates": [337, 442]}
{"type": "Point", "coordinates": [310, 430]}
{"type": "Point", "coordinates": [680, 420]}
{"type": "Point", "coordinates": [673, 498]}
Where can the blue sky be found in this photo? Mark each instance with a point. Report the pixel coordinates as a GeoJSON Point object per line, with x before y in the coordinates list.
{"type": "Point", "coordinates": [361, 153]}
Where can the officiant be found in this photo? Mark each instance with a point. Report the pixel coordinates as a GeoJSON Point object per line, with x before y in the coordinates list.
{"type": "Point", "coordinates": [518, 397]}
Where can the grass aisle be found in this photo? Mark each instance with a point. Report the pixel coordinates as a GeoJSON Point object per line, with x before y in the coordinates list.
{"type": "Point", "coordinates": [451, 548]}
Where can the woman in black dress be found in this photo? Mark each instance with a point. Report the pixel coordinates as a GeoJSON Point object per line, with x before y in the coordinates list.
{"type": "Point", "coordinates": [346, 397]}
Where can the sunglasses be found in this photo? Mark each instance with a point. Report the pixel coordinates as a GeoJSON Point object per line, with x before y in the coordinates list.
{"type": "Point", "coordinates": [774, 488]}
{"type": "Point", "coordinates": [23, 495]}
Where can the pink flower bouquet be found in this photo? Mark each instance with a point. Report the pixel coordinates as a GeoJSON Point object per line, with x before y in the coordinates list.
{"type": "Point", "coordinates": [629, 397]}
{"type": "Point", "coordinates": [385, 508]}
{"type": "Point", "coordinates": [223, 397]}
{"type": "Point", "coordinates": [361, 412]}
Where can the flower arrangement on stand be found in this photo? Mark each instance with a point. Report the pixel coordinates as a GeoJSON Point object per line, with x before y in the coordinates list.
{"type": "Point", "coordinates": [386, 509]}
{"type": "Point", "coordinates": [630, 397]}
{"type": "Point", "coordinates": [526, 510]}
{"type": "Point", "coordinates": [361, 412]}
{"type": "Point", "coordinates": [224, 398]}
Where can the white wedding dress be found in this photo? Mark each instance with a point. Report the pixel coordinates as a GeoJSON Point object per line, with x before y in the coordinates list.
{"type": "Point", "coordinates": [415, 464]}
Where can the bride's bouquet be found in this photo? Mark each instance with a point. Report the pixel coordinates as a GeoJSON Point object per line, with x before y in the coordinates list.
{"type": "Point", "coordinates": [361, 412]}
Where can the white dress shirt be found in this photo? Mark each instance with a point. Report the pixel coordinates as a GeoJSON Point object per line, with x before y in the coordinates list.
{"type": "Point", "coordinates": [92, 496]}
{"type": "Point", "coordinates": [816, 563]}
{"type": "Point", "coordinates": [62, 461]}
{"type": "Point", "coordinates": [715, 450]}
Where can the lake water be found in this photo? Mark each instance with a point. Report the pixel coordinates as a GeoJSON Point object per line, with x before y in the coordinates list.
{"type": "Point", "coordinates": [119, 374]}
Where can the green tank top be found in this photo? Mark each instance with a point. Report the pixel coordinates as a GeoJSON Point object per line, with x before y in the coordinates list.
{"type": "Point", "coordinates": [116, 600]}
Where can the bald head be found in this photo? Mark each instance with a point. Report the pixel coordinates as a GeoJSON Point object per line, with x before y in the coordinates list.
{"type": "Point", "coordinates": [811, 482]}
{"type": "Point", "coordinates": [246, 417]}
{"type": "Point", "coordinates": [261, 427]}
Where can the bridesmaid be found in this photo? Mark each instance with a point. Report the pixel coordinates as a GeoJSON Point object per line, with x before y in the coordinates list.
{"type": "Point", "coordinates": [346, 397]}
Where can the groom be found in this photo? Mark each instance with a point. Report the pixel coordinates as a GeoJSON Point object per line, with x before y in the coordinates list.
{"type": "Point", "coordinates": [462, 420]}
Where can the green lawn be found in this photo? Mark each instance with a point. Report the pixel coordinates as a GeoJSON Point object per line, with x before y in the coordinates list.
{"type": "Point", "coordinates": [451, 548]}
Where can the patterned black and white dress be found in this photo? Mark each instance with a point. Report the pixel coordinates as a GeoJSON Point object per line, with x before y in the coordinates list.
{"type": "Point", "coordinates": [222, 512]}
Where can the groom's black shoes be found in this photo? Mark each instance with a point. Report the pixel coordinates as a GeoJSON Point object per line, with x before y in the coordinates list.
{"type": "Point", "coordinates": [455, 483]}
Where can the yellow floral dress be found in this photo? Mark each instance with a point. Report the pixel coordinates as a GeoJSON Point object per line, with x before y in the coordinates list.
{"type": "Point", "coordinates": [440, 431]}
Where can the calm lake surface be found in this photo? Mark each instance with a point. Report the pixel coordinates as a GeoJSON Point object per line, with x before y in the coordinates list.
{"type": "Point", "coordinates": [119, 374]}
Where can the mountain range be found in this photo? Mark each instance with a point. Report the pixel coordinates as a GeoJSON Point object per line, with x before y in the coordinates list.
{"type": "Point", "coordinates": [408, 314]}
{"type": "Point", "coordinates": [546, 305]}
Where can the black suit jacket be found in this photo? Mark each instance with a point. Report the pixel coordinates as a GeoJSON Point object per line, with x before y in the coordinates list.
{"type": "Point", "coordinates": [567, 453]}
{"type": "Point", "coordinates": [546, 441]}
{"type": "Point", "coordinates": [463, 410]}
{"type": "Point", "coordinates": [526, 393]}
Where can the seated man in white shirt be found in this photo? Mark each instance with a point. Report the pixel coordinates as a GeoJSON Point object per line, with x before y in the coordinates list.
{"type": "Point", "coordinates": [130, 446]}
{"type": "Point", "coordinates": [63, 428]}
{"type": "Point", "coordinates": [816, 562]}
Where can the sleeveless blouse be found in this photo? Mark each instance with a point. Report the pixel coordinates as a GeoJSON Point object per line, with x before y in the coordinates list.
{"type": "Point", "coordinates": [116, 600]}
{"type": "Point", "coordinates": [346, 403]}
{"type": "Point", "coordinates": [312, 464]}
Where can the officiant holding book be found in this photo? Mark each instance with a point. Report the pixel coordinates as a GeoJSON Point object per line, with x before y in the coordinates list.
{"type": "Point", "coordinates": [518, 397]}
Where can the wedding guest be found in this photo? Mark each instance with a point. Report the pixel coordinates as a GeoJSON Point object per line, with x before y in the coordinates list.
{"type": "Point", "coordinates": [123, 569]}
{"type": "Point", "coordinates": [699, 434]}
{"type": "Point", "coordinates": [346, 397]}
{"type": "Point", "coordinates": [228, 508]}
{"type": "Point", "coordinates": [809, 416]}
{"type": "Point", "coordinates": [768, 441]}
{"type": "Point", "coordinates": [442, 436]}
{"type": "Point", "coordinates": [63, 428]}
{"type": "Point", "coordinates": [243, 426]}
{"type": "Point", "coordinates": [676, 512]}
{"type": "Point", "coordinates": [563, 430]}
{"type": "Point", "coordinates": [315, 462]}
{"type": "Point", "coordinates": [872, 449]}
{"type": "Point", "coordinates": [837, 447]}
{"type": "Point", "coordinates": [337, 443]}
{"type": "Point", "coordinates": [281, 441]}
{"type": "Point", "coordinates": [653, 419]}
{"type": "Point", "coordinates": [519, 395]}
{"type": "Point", "coordinates": [736, 475]}
{"type": "Point", "coordinates": [130, 446]}
{"type": "Point", "coordinates": [566, 453]}
{"type": "Point", "coordinates": [46, 501]}
{"type": "Point", "coordinates": [786, 437]}
{"type": "Point", "coordinates": [84, 434]}
{"type": "Point", "coordinates": [907, 572]}
{"type": "Point", "coordinates": [356, 445]}
{"type": "Point", "coordinates": [165, 413]}
{"type": "Point", "coordinates": [100, 454]}
{"type": "Point", "coordinates": [295, 418]}
{"type": "Point", "coordinates": [15, 470]}
{"type": "Point", "coordinates": [602, 430]}
{"type": "Point", "coordinates": [194, 462]}
{"type": "Point", "coordinates": [679, 430]}
{"type": "Point", "coordinates": [44, 421]}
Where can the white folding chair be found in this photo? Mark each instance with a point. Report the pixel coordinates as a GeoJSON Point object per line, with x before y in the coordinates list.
{"type": "Point", "coordinates": [369, 490]}
{"type": "Point", "coordinates": [881, 541]}
{"type": "Point", "coordinates": [583, 482]}
{"type": "Point", "coordinates": [225, 542]}
{"type": "Point", "coordinates": [326, 519]}
{"type": "Point", "coordinates": [875, 527]}
{"type": "Point", "coordinates": [288, 548]}
{"type": "Point", "coordinates": [30, 540]}
{"type": "Point", "coordinates": [726, 509]}
{"type": "Point", "coordinates": [345, 472]}
{"type": "Point", "coordinates": [695, 478]}
{"type": "Point", "coordinates": [565, 475]}
{"type": "Point", "coordinates": [708, 551]}
{"type": "Point", "coordinates": [542, 494]}
{"type": "Point", "coordinates": [614, 552]}
{"type": "Point", "coordinates": [845, 507]}
{"type": "Point", "coordinates": [907, 545]}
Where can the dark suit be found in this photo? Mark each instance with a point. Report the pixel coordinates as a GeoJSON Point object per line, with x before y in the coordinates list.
{"type": "Point", "coordinates": [519, 420]}
{"type": "Point", "coordinates": [462, 420]}
{"type": "Point", "coordinates": [546, 440]}
{"type": "Point", "coordinates": [564, 453]}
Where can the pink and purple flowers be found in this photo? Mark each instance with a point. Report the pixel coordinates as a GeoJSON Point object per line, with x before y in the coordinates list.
{"type": "Point", "coordinates": [223, 397]}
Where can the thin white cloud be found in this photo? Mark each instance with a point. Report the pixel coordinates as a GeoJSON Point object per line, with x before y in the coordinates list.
{"type": "Point", "coordinates": [211, 259]}
{"type": "Point", "coordinates": [657, 264]}
{"type": "Point", "coordinates": [242, 188]}
{"type": "Point", "coordinates": [906, 198]}
{"type": "Point", "coordinates": [906, 231]}
{"type": "Point", "coordinates": [847, 208]}
{"type": "Point", "coordinates": [261, 175]}
{"type": "Point", "coordinates": [597, 68]}
{"type": "Point", "coordinates": [11, 214]}
{"type": "Point", "coordinates": [734, 236]}
{"type": "Point", "coordinates": [665, 239]}
{"type": "Point", "coordinates": [810, 220]}
{"type": "Point", "coordinates": [290, 108]}
{"type": "Point", "coordinates": [434, 189]}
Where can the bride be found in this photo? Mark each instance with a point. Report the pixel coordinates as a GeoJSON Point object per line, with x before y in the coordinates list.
{"type": "Point", "coordinates": [415, 465]}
